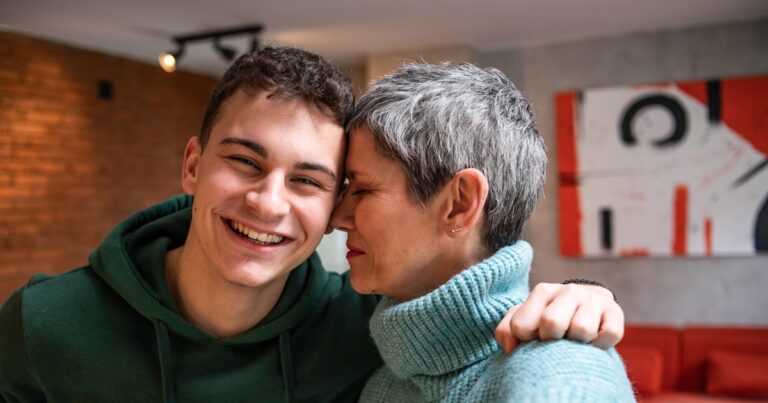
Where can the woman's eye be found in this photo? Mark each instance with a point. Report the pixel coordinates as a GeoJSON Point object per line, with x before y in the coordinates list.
{"type": "Point", "coordinates": [354, 189]}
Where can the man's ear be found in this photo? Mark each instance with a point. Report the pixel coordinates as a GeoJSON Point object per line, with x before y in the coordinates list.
{"type": "Point", "coordinates": [191, 164]}
{"type": "Point", "coordinates": [468, 192]}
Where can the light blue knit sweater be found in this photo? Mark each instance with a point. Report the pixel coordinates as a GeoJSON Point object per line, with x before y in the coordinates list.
{"type": "Point", "coordinates": [440, 347]}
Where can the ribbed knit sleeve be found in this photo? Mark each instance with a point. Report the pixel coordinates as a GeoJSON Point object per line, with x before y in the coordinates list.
{"type": "Point", "coordinates": [557, 371]}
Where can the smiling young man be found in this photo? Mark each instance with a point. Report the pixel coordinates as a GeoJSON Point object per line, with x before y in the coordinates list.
{"type": "Point", "coordinates": [216, 297]}
{"type": "Point", "coordinates": [261, 193]}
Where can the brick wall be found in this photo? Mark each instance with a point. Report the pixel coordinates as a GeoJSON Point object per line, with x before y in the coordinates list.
{"type": "Point", "coordinates": [72, 164]}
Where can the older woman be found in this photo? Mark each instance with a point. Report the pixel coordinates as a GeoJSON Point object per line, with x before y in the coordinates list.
{"type": "Point", "coordinates": [445, 166]}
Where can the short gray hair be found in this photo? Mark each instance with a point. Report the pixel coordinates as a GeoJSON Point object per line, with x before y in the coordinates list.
{"type": "Point", "coordinates": [435, 120]}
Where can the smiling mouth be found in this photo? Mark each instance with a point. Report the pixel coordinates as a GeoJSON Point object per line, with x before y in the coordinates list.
{"type": "Point", "coordinates": [259, 238]}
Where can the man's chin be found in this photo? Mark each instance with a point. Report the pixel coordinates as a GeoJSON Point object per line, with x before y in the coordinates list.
{"type": "Point", "coordinates": [254, 276]}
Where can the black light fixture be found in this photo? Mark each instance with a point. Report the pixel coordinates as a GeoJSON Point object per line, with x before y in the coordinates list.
{"type": "Point", "coordinates": [227, 53]}
{"type": "Point", "coordinates": [169, 60]}
{"type": "Point", "coordinates": [255, 43]}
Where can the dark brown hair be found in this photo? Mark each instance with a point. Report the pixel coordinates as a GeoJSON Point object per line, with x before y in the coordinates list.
{"type": "Point", "coordinates": [284, 72]}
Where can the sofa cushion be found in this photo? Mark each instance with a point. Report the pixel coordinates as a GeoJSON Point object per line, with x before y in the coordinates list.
{"type": "Point", "coordinates": [667, 339]}
{"type": "Point", "coordinates": [645, 367]}
{"type": "Point", "coordinates": [692, 397]}
{"type": "Point", "coordinates": [699, 342]}
{"type": "Point", "coordinates": [737, 374]}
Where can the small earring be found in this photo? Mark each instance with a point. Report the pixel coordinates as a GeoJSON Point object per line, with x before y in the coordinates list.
{"type": "Point", "coordinates": [457, 229]}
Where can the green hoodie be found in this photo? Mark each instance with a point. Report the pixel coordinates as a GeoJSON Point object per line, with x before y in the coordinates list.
{"type": "Point", "coordinates": [110, 332]}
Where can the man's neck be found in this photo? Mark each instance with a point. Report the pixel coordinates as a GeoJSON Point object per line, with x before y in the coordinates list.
{"type": "Point", "coordinates": [219, 308]}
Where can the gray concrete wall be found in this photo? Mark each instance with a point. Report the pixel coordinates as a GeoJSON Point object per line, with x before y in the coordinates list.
{"type": "Point", "coordinates": [651, 290]}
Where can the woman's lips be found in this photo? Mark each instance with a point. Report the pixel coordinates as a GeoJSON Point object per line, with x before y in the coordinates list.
{"type": "Point", "coordinates": [353, 252]}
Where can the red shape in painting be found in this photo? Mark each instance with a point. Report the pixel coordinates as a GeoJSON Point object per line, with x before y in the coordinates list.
{"type": "Point", "coordinates": [680, 206]}
{"type": "Point", "coordinates": [570, 210]}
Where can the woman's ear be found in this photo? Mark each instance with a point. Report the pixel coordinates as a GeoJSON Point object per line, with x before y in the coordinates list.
{"type": "Point", "coordinates": [191, 164]}
{"type": "Point", "coordinates": [467, 194]}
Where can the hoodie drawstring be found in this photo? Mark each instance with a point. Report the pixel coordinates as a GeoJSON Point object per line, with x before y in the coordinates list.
{"type": "Point", "coordinates": [286, 364]}
{"type": "Point", "coordinates": [166, 363]}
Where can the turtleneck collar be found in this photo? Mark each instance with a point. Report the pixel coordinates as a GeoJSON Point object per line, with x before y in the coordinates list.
{"type": "Point", "coordinates": [452, 327]}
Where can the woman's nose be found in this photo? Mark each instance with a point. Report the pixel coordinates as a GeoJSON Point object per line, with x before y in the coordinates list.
{"type": "Point", "coordinates": [342, 216]}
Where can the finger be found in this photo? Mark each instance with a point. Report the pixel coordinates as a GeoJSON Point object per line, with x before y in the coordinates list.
{"type": "Point", "coordinates": [611, 328]}
{"type": "Point", "coordinates": [557, 316]}
{"type": "Point", "coordinates": [585, 323]}
{"type": "Point", "coordinates": [503, 331]}
{"type": "Point", "coordinates": [525, 323]}
{"type": "Point", "coordinates": [599, 290]}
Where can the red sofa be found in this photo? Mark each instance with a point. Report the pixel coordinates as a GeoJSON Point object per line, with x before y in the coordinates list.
{"type": "Point", "coordinates": [697, 364]}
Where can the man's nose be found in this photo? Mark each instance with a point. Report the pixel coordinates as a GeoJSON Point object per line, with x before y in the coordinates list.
{"type": "Point", "coordinates": [269, 198]}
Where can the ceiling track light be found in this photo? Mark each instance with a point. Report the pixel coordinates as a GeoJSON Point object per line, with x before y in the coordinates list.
{"type": "Point", "coordinates": [170, 59]}
{"type": "Point", "coordinates": [227, 53]}
{"type": "Point", "coordinates": [255, 44]}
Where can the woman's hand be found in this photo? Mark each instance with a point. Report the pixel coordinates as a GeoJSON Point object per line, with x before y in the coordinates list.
{"type": "Point", "coordinates": [586, 313]}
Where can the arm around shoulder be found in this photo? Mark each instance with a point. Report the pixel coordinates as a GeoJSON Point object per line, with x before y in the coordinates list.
{"type": "Point", "coordinates": [563, 371]}
{"type": "Point", "coordinates": [18, 379]}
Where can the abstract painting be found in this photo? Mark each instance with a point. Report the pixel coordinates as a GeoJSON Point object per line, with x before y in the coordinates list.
{"type": "Point", "coordinates": [671, 169]}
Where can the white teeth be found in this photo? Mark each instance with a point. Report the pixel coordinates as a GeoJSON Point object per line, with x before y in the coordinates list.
{"type": "Point", "coordinates": [254, 235]}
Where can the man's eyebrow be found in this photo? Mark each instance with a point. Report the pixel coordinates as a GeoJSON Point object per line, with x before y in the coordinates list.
{"type": "Point", "coordinates": [254, 146]}
{"type": "Point", "coordinates": [316, 167]}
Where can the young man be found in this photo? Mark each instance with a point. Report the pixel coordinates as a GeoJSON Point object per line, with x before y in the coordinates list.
{"type": "Point", "coordinates": [219, 297]}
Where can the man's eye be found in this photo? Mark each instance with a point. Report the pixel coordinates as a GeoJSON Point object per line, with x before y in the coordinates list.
{"type": "Point", "coordinates": [244, 161]}
{"type": "Point", "coordinates": [307, 181]}
{"type": "Point", "coordinates": [358, 191]}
